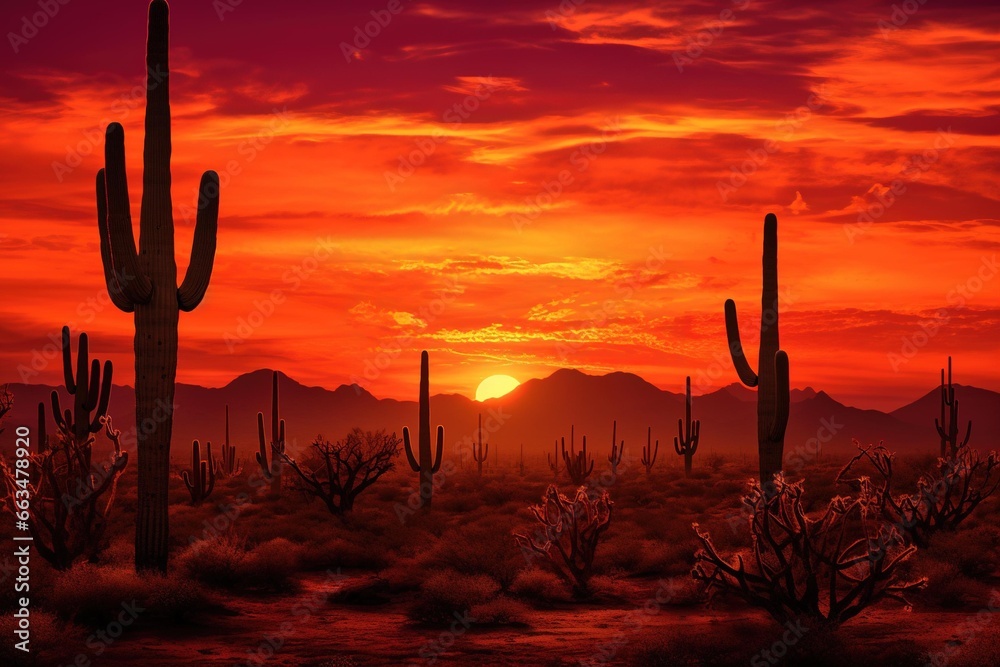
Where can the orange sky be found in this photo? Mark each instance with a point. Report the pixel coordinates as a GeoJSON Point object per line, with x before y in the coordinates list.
{"type": "Point", "coordinates": [470, 256]}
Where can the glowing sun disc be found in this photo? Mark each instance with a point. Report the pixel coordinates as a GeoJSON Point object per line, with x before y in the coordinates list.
{"type": "Point", "coordinates": [495, 386]}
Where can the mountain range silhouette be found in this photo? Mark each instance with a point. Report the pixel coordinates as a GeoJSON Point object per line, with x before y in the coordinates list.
{"type": "Point", "coordinates": [537, 412]}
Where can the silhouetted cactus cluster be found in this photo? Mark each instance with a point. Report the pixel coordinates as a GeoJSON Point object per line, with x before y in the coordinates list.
{"type": "Point", "coordinates": [947, 428]}
{"type": "Point", "coordinates": [201, 479]}
{"type": "Point", "coordinates": [578, 464]}
{"type": "Point", "coordinates": [70, 497]}
{"type": "Point", "coordinates": [649, 452]}
{"type": "Point", "coordinates": [272, 468]}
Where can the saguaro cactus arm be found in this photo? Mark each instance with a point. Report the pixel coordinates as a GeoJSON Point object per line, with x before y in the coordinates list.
{"type": "Point", "coordinates": [743, 369]}
{"type": "Point", "coordinates": [261, 455]}
{"type": "Point", "coordinates": [199, 271]}
{"type": "Point", "coordinates": [414, 464]}
{"type": "Point", "coordinates": [111, 278]}
{"type": "Point", "coordinates": [782, 397]}
{"type": "Point", "coordinates": [133, 282]}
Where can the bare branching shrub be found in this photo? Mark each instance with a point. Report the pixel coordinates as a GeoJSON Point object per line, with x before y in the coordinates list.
{"type": "Point", "coordinates": [337, 473]}
{"type": "Point", "coordinates": [825, 569]}
{"type": "Point", "coordinates": [944, 497]}
{"type": "Point", "coordinates": [568, 536]}
{"type": "Point", "coordinates": [67, 497]}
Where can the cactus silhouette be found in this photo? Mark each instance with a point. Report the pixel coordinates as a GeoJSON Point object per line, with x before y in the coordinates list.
{"type": "Point", "coordinates": [145, 283]}
{"type": "Point", "coordinates": [615, 457]}
{"type": "Point", "coordinates": [949, 408]}
{"type": "Point", "coordinates": [230, 465]}
{"type": "Point", "coordinates": [272, 470]}
{"type": "Point", "coordinates": [771, 378]}
{"type": "Point", "coordinates": [201, 479]}
{"type": "Point", "coordinates": [90, 392]}
{"type": "Point", "coordinates": [576, 463]}
{"type": "Point", "coordinates": [479, 454]}
{"type": "Point", "coordinates": [688, 432]}
{"type": "Point", "coordinates": [554, 460]}
{"type": "Point", "coordinates": [520, 462]}
{"type": "Point", "coordinates": [424, 463]}
{"type": "Point", "coordinates": [648, 452]}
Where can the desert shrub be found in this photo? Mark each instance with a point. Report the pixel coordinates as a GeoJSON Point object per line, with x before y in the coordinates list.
{"type": "Point", "coordinates": [272, 565]}
{"type": "Point", "coordinates": [484, 547]}
{"type": "Point", "coordinates": [824, 570]}
{"type": "Point", "coordinates": [217, 562]}
{"type": "Point", "coordinates": [947, 588]}
{"type": "Point", "coordinates": [569, 532]}
{"type": "Point", "coordinates": [445, 594]}
{"type": "Point", "coordinates": [92, 595]}
{"type": "Point", "coordinates": [51, 641]}
{"type": "Point", "coordinates": [228, 562]}
{"type": "Point", "coordinates": [541, 586]}
{"type": "Point", "coordinates": [715, 461]}
{"type": "Point", "coordinates": [500, 611]}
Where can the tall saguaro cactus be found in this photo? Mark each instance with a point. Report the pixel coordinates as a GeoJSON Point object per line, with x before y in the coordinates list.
{"type": "Point", "coordinates": [771, 378]}
{"type": "Point", "coordinates": [146, 282]}
{"type": "Point", "coordinates": [688, 432]}
{"type": "Point", "coordinates": [272, 470]}
{"type": "Point", "coordinates": [947, 428]}
{"type": "Point", "coordinates": [554, 460]}
{"type": "Point", "coordinates": [479, 454]}
{"type": "Point", "coordinates": [424, 463]}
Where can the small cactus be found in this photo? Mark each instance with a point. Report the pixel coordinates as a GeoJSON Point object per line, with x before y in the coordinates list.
{"type": "Point", "coordinates": [649, 452]}
{"type": "Point", "coordinates": [520, 462]}
{"type": "Point", "coordinates": [576, 463]}
{"type": "Point", "coordinates": [424, 463]}
{"type": "Point", "coordinates": [554, 460]}
{"type": "Point", "coordinates": [949, 437]}
{"type": "Point", "coordinates": [479, 454]}
{"type": "Point", "coordinates": [686, 442]}
{"type": "Point", "coordinates": [615, 457]}
{"type": "Point", "coordinates": [272, 470]}
{"type": "Point", "coordinates": [201, 479]}
{"type": "Point", "coordinates": [90, 391]}
{"type": "Point", "coordinates": [230, 465]}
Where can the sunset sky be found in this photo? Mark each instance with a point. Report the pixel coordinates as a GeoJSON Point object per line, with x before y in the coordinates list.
{"type": "Point", "coordinates": [520, 186]}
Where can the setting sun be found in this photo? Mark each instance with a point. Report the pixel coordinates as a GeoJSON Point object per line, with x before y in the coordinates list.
{"type": "Point", "coordinates": [495, 386]}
